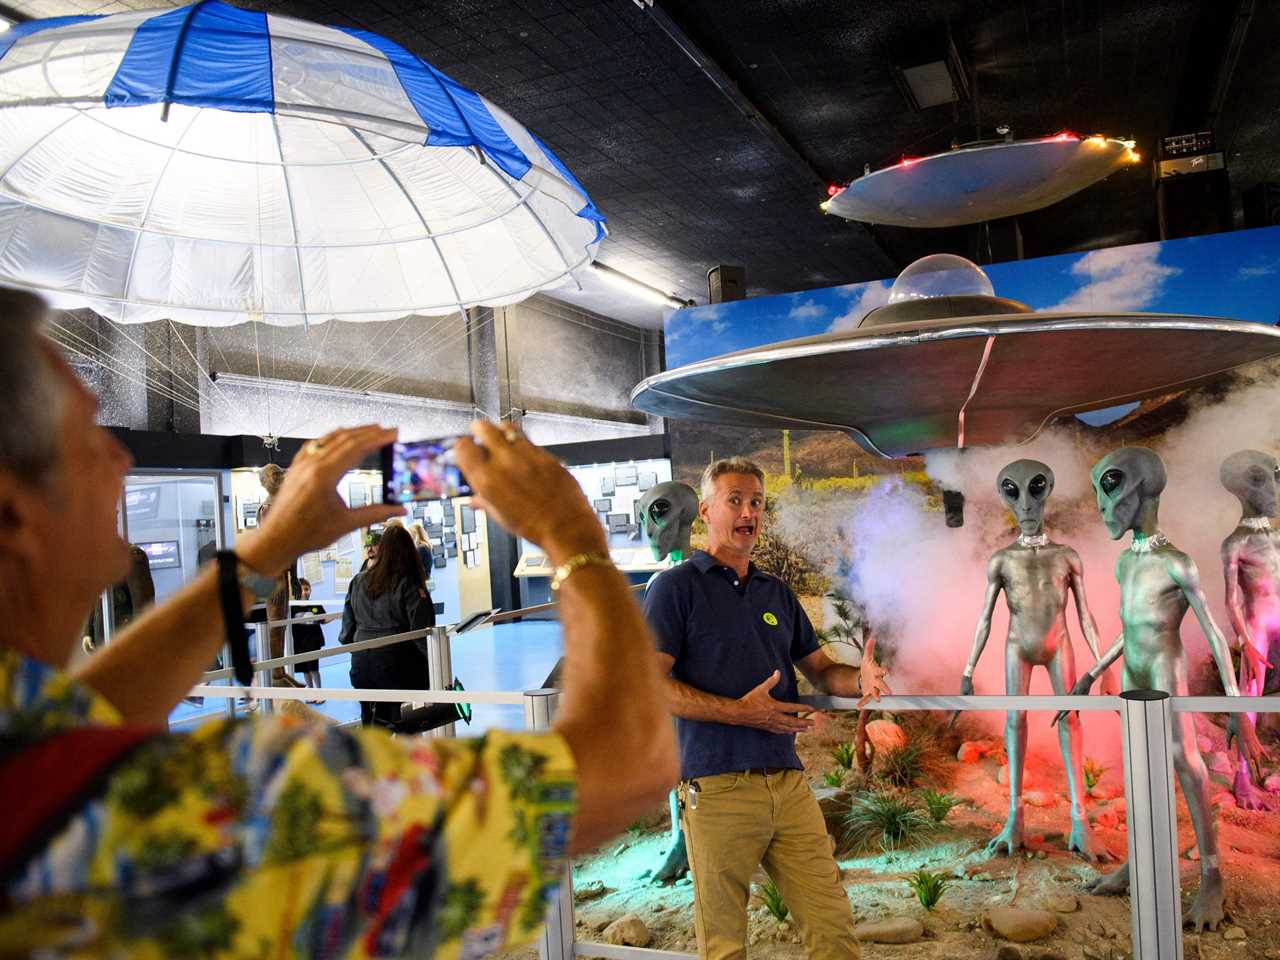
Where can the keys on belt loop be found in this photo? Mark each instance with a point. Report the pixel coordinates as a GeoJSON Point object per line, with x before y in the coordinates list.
{"type": "Point", "coordinates": [693, 794]}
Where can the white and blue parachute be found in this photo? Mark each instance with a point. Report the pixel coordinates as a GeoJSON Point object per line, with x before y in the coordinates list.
{"type": "Point", "coordinates": [215, 165]}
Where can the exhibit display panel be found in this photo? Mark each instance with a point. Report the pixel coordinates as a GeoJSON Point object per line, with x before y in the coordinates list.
{"type": "Point", "coordinates": [614, 489]}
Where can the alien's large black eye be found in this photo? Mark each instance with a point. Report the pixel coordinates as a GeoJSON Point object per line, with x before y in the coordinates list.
{"type": "Point", "coordinates": [1110, 481]}
{"type": "Point", "coordinates": [659, 509]}
{"type": "Point", "coordinates": [1038, 486]}
{"type": "Point", "coordinates": [1009, 488]}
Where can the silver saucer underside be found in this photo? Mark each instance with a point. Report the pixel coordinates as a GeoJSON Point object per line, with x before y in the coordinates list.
{"type": "Point", "coordinates": [906, 388]}
{"type": "Point", "coordinates": [979, 183]}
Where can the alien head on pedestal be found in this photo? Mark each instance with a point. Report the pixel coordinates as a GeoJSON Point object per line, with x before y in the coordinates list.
{"type": "Point", "coordinates": [667, 512]}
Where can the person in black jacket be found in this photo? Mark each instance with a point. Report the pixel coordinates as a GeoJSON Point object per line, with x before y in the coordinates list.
{"type": "Point", "coordinates": [389, 597]}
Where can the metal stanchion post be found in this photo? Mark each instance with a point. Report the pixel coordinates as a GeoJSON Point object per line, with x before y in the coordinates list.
{"type": "Point", "coordinates": [226, 662]}
{"type": "Point", "coordinates": [1147, 720]}
{"type": "Point", "coordinates": [262, 638]}
{"type": "Point", "coordinates": [440, 670]}
{"type": "Point", "coordinates": [558, 935]}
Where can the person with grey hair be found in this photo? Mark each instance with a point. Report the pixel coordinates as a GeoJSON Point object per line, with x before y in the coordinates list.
{"type": "Point", "coordinates": [280, 835]}
{"type": "Point", "coordinates": [730, 638]}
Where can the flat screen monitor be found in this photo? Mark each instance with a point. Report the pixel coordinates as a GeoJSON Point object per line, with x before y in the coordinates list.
{"type": "Point", "coordinates": [451, 551]}
{"type": "Point", "coordinates": [624, 476]}
{"type": "Point", "coordinates": [602, 506]}
{"type": "Point", "coordinates": [143, 503]}
{"type": "Point", "coordinates": [647, 480]}
{"type": "Point", "coordinates": [161, 554]}
{"type": "Point", "coordinates": [618, 522]}
{"type": "Point", "coordinates": [606, 486]}
{"type": "Point", "coordinates": [438, 562]}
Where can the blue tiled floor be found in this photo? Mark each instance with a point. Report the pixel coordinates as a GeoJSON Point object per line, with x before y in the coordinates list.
{"type": "Point", "coordinates": [508, 656]}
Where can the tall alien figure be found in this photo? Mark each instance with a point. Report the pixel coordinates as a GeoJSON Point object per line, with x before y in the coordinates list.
{"type": "Point", "coordinates": [1036, 574]}
{"type": "Point", "coordinates": [667, 512]}
{"type": "Point", "coordinates": [1158, 583]}
{"type": "Point", "coordinates": [1251, 565]}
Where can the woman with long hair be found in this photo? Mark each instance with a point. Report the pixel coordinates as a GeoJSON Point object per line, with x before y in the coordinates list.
{"type": "Point", "coordinates": [387, 598]}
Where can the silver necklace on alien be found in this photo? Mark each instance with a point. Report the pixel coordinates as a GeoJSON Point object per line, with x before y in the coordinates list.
{"type": "Point", "coordinates": [1256, 524]}
{"type": "Point", "coordinates": [1147, 544]}
{"type": "Point", "coordinates": [1037, 540]}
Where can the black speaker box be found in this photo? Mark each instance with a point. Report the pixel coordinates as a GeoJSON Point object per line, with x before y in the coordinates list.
{"type": "Point", "coordinates": [1194, 204]}
{"type": "Point", "coordinates": [726, 283]}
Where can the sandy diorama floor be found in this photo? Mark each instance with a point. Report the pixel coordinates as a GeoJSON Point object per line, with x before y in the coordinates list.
{"type": "Point", "coordinates": [612, 882]}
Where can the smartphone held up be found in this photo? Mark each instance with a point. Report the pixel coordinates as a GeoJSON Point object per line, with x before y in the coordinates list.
{"type": "Point", "coordinates": [421, 470]}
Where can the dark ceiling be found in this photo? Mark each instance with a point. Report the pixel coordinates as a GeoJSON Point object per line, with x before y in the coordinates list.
{"type": "Point", "coordinates": [687, 181]}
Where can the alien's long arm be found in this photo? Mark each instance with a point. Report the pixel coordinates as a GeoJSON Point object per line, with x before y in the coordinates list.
{"type": "Point", "coordinates": [1255, 666]}
{"type": "Point", "coordinates": [995, 583]}
{"type": "Point", "coordinates": [1090, 676]}
{"type": "Point", "coordinates": [1088, 623]}
{"type": "Point", "coordinates": [1187, 577]}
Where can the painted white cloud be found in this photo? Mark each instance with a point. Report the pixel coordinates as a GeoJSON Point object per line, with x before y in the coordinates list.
{"type": "Point", "coordinates": [1251, 273]}
{"type": "Point", "coordinates": [1118, 279]}
{"type": "Point", "coordinates": [872, 295]}
{"type": "Point", "coordinates": [684, 322]}
{"type": "Point", "coordinates": [809, 310]}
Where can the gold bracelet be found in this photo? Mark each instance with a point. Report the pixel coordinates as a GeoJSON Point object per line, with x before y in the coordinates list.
{"type": "Point", "coordinates": [577, 562]}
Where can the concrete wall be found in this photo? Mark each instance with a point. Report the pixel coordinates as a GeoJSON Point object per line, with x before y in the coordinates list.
{"type": "Point", "coordinates": [575, 363]}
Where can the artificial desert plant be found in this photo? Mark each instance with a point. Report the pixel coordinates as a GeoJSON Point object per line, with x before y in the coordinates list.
{"type": "Point", "coordinates": [928, 887]}
{"type": "Point", "coordinates": [773, 901]}
{"type": "Point", "coordinates": [885, 819]}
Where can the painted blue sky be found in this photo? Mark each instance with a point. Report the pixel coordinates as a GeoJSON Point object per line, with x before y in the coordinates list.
{"type": "Point", "coordinates": [1234, 275]}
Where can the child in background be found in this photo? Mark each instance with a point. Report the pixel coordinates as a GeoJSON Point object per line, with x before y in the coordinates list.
{"type": "Point", "coordinates": [308, 638]}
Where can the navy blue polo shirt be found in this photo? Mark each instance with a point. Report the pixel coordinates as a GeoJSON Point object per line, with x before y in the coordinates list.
{"type": "Point", "coordinates": [727, 635]}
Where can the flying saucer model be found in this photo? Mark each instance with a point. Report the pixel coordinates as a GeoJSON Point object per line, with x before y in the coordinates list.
{"type": "Point", "coordinates": [948, 364]}
{"type": "Point", "coordinates": [214, 165]}
{"type": "Point", "coordinates": [987, 182]}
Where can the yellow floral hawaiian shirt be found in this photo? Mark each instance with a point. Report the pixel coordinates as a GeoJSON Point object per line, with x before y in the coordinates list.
{"type": "Point", "coordinates": [282, 838]}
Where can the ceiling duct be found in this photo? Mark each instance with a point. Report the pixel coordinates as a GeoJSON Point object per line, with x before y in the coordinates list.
{"type": "Point", "coordinates": [932, 77]}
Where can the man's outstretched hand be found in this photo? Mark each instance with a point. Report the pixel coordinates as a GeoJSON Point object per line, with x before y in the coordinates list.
{"type": "Point", "coordinates": [871, 675]}
{"type": "Point", "coordinates": [758, 708]}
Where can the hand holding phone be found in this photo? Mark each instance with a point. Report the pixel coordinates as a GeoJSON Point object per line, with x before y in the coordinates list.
{"type": "Point", "coordinates": [421, 470]}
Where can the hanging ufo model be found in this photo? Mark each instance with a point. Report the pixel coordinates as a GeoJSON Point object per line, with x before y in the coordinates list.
{"type": "Point", "coordinates": [215, 165]}
{"type": "Point", "coordinates": [985, 182]}
{"type": "Point", "coordinates": [948, 364]}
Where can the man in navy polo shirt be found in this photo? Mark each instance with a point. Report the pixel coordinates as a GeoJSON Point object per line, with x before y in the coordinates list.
{"type": "Point", "coordinates": [730, 638]}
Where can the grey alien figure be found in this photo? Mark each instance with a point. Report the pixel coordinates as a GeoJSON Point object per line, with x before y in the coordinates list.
{"type": "Point", "coordinates": [1036, 575]}
{"type": "Point", "coordinates": [667, 512]}
{"type": "Point", "coordinates": [1251, 567]}
{"type": "Point", "coordinates": [1158, 583]}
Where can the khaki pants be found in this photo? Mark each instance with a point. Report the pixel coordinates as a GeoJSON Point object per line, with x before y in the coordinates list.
{"type": "Point", "coordinates": [747, 819]}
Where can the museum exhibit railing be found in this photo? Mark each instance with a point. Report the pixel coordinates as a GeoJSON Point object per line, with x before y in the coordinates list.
{"type": "Point", "coordinates": [1146, 718]}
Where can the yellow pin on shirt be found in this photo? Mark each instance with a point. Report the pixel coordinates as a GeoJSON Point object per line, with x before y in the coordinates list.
{"type": "Point", "coordinates": [770, 619]}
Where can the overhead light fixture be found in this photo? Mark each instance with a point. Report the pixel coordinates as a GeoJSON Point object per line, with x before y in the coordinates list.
{"type": "Point", "coordinates": [933, 82]}
{"type": "Point", "coordinates": [5, 23]}
{"type": "Point", "coordinates": [638, 288]}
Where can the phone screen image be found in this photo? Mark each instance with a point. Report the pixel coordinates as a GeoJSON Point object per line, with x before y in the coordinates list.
{"type": "Point", "coordinates": [421, 470]}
